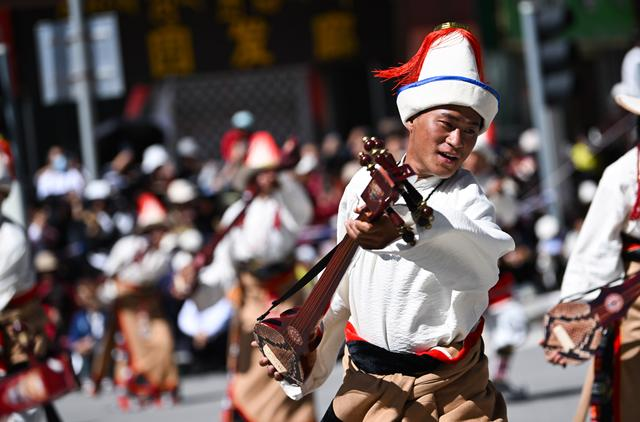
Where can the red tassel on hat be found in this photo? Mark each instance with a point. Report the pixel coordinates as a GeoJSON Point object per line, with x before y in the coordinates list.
{"type": "Point", "coordinates": [409, 72]}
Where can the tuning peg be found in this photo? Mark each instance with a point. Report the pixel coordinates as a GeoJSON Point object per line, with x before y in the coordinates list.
{"type": "Point", "coordinates": [365, 159]}
{"type": "Point", "coordinates": [377, 143]}
{"type": "Point", "coordinates": [408, 235]}
{"type": "Point", "coordinates": [423, 216]}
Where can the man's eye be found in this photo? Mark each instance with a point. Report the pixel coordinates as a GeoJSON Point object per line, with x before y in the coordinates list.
{"type": "Point", "coordinates": [446, 124]}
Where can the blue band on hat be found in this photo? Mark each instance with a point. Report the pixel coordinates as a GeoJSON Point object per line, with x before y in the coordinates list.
{"type": "Point", "coordinates": [453, 78]}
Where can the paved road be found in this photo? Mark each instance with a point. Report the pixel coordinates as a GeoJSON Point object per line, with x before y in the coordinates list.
{"type": "Point", "coordinates": [552, 394]}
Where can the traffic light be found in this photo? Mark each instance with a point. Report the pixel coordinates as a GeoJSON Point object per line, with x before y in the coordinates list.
{"type": "Point", "coordinates": [557, 52]}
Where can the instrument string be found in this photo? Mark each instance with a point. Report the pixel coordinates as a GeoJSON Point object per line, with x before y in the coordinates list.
{"type": "Point", "coordinates": [326, 284]}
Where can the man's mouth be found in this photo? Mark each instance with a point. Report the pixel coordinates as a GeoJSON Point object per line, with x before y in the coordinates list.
{"type": "Point", "coordinates": [449, 157]}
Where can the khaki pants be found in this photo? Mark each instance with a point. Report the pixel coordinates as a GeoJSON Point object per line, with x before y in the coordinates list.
{"type": "Point", "coordinates": [148, 341]}
{"type": "Point", "coordinates": [455, 392]}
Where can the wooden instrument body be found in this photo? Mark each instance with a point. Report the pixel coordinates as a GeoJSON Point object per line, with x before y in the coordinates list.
{"type": "Point", "coordinates": [288, 340]}
{"type": "Point", "coordinates": [284, 345]}
{"type": "Point", "coordinates": [574, 329]}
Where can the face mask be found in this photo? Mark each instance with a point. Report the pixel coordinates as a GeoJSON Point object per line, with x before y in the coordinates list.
{"type": "Point", "coordinates": [60, 162]}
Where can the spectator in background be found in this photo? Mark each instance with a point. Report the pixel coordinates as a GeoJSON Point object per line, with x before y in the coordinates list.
{"type": "Point", "coordinates": [394, 135]}
{"type": "Point", "coordinates": [121, 172]}
{"type": "Point", "coordinates": [227, 177]}
{"type": "Point", "coordinates": [189, 159]}
{"type": "Point", "coordinates": [182, 195]}
{"type": "Point", "coordinates": [57, 178]}
{"type": "Point", "coordinates": [158, 168]}
{"type": "Point", "coordinates": [86, 328]}
{"type": "Point", "coordinates": [100, 230]}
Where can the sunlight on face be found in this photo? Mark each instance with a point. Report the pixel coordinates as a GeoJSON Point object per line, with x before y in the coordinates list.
{"type": "Point", "coordinates": [441, 138]}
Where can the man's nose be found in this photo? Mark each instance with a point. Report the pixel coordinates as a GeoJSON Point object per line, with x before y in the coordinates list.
{"type": "Point", "coordinates": [455, 138]}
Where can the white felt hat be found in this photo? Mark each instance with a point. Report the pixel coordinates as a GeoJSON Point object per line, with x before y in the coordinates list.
{"type": "Point", "coordinates": [154, 156]}
{"type": "Point", "coordinates": [449, 75]}
{"type": "Point", "coordinates": [97, 189]}
{"type": "Point", "coordinates": [181, 191]}
{"type": "Point", "coordinates": [263, 152]}
{"type": "Point", "coordinates": [626, 93]}
{"type": "Point", "coordinates": [151, 212]}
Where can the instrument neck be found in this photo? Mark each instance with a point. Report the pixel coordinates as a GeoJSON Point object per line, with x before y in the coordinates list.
{"type": "Point", "coordinates": [319, 299]}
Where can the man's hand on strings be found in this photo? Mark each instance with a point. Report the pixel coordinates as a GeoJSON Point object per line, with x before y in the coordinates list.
{"type": "Point", "coordinates": [556, 358]}
{"type": "Point", "coordinates": [374, 235]}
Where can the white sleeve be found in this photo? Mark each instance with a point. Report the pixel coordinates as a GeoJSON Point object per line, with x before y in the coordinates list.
{"type": "Point", "coordinates": [595, 258]}
{"type": "Point", "coordinates": [16, 270]}
{"type": "Point", "coordinates": [219, 276]}
{"type": "Point", "coordinates": [297, 209]}
{"type": "Point", "coordinates": [333, 323]}
{"type": "Point", "coordinates": [464, 243]}
{"type": "Point", "coordinates": [120, 254]}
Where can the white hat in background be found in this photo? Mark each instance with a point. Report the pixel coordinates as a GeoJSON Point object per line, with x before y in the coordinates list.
{"type": "Point", "coordinates": [187, 147]}
{"type": "Point", "coordinates": [547, 227]}
{"type": "Point", "coordinates": [181, 191]}
{"type": "Point", "coordinates": [97, 189]}
{"type": "Point", "coordinates": [151, 212]}
{"type": "Point", "coordinates": [180, 260]}
{"type": "Point", "coordinates": [263, 152]}
{"type": "Point", "coordinates": [586, 191]}
{"type": "Point", "coordinates": [190, 240]}
{"type": "Point", "coordinates": [45, 261]}
{"type": "Point", "coordinates": [446, 70]}
{"type": "Point", "coordinates": [242, 119]}
{"type": "Point", "coordinates": [529, 141]}
{"type": "Point", "coordinates": [307, 163]}
{"type": "Point", "coordinates": [154, 156]}
{"type": "Point", "coordinates": [626, 93]}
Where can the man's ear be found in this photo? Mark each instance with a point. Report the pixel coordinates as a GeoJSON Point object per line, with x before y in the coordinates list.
{"type": "Point", "coordinates": [409, 124]}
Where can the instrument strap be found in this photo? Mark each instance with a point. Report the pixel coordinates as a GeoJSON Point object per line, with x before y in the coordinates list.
{"type": "Point", "coordinates": [413, 198]}
{"type": "Point", "coordinates": [310, 275]}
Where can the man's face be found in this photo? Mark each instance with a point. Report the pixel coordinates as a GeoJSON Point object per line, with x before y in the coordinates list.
{"type": "Point", "coordinates": [441, 138]}
{"type": "Point", "coordinates": [267, 181]}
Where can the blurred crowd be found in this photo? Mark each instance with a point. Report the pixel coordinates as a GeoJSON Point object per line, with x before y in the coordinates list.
{"type": "Point", "coordinates": [75, 222]}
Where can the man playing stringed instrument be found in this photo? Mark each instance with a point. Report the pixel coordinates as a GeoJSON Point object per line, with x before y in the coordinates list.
{"type": "Point", "coordinates": [606, 250]}
{"type": "Point", "coordinates": [411, 315]}
{"type": "Point", "coordinates": [252, 264]}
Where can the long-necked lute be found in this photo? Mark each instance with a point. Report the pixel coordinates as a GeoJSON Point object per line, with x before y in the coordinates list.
{"type": "Point", "coordinates": [288, 338]}
{"type": "Point", "coordinates": [574, 328]}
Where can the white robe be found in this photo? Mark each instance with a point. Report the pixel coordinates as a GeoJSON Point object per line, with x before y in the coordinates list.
{"type": "Point", "coordinates": [410, 299]}
{"type": "Point", "coordinates": [16, 270]}
{"type": "Point", "coordinates": [596, 256]}
{"type": "Point", "coordinates": [268, 233]}
{"type": "Point", "coordinates": [143, 272]}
